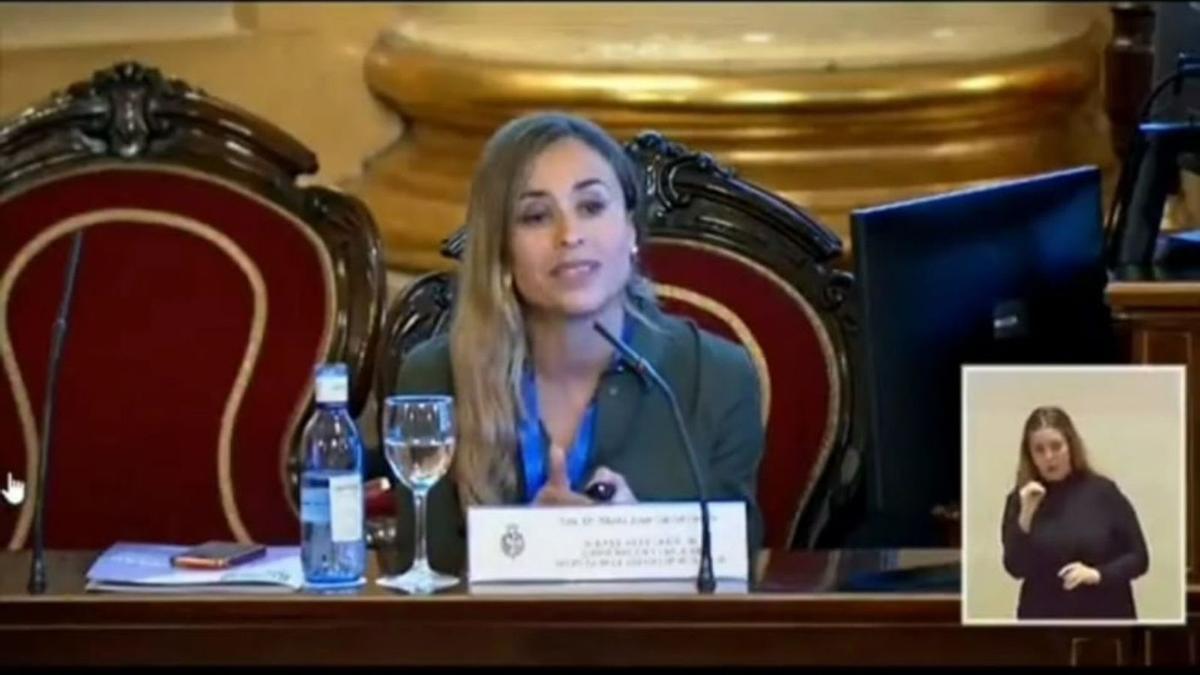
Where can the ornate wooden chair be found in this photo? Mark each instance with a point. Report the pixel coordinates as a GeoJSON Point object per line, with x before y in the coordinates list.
{"type": "Point", "coordinates": [211, 286]}
{"type": "Point", "coordinates": [754, 268]}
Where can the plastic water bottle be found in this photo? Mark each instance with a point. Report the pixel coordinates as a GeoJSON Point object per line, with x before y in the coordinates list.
{"type": "Point", "coordinates": [333, 550]}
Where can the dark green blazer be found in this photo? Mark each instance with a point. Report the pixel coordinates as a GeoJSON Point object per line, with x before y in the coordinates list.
{"type": "Point", "coordinates": [718, 391]}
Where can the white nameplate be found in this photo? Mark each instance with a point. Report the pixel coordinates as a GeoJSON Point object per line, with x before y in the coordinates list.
{"type": "Point", "coordinates": [632, 542]}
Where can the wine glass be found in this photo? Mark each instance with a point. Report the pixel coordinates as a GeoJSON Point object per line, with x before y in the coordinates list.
{"type": "Point", "coordinates": [418, 441]}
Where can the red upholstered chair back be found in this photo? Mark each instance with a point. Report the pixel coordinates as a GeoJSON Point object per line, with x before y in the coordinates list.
{"type": "Point", "coordinates": [756, 269]}
{"type": "Point", "coordinates": [747, 265]}
{"type": "Point", "coordinates": [210, 287]}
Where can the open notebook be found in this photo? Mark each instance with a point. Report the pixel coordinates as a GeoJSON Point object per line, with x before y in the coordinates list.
{"type": "Point", "coordinates": [146, 568]}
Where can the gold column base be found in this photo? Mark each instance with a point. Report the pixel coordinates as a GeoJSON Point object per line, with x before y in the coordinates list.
{"type": "Point", "coordinates": [831, 134]}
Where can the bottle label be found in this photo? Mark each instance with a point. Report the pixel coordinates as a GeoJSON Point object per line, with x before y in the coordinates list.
{"type": "Point", "coordinates": [314, 505]}
{"type": "Point", "coordinates": [346, 507]}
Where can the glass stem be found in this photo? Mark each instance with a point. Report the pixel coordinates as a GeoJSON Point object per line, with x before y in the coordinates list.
{"type": "Point", "coordinates": [420, 563]}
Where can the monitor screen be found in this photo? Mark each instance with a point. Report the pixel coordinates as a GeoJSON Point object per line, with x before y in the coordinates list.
{"type": "Point", "coordinates": [1009, 273]}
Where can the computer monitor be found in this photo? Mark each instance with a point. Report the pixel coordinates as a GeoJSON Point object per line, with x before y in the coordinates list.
{"type": "Point", "coordinates": [1009, 273]}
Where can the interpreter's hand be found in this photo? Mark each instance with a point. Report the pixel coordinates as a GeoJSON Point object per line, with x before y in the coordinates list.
{"type": "Point", "coordinates": [557, 490]}
{"type": "Point", "coordinates": [1031, 495]}
{"type": "Point", "coordinates": [622, 493]}
{"type": "Point", "coordinates": [1077, 574]}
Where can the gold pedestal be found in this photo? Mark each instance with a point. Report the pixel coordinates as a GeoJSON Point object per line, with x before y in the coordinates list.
{"type": "Point", "coordinates": [834, 106]}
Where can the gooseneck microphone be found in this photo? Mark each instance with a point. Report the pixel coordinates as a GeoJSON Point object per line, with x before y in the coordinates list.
{"type": "Point", "coordinates": [37, 567]}
{"type": "Point", "coordinates": [706, 582]}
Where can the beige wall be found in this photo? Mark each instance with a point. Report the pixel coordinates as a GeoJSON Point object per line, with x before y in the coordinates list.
{"type": "Point", "coordinates": [298, 65]}
{"type": "Point", "coordinates": [1132, 422]}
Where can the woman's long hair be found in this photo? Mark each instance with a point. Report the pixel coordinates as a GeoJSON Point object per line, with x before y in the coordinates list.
{"type": "Point", "coordinates": [1051, 417]}
{"type": "Point", "coordinates": [488, 343]}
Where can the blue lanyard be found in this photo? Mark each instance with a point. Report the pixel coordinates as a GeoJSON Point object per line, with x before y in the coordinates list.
{"type": "Point", "coordinates": [535, 442]}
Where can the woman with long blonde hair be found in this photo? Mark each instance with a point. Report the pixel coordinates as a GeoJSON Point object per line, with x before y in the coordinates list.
{"type": "Point", "coordinates": [545, 409]}
{"type": "Point", "coordinates": [1069, 534]}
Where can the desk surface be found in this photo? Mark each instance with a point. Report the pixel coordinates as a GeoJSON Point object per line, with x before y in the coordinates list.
{"type": "Point", "coordinates": [811, 579]}
{"type": "Point", "coordinates": [795, 615]}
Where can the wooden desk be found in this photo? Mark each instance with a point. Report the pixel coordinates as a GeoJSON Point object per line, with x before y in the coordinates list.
{"type": "Point", "coordinates": [796, 616]}
{"type": "Point", "coordinates": [1160, 322]}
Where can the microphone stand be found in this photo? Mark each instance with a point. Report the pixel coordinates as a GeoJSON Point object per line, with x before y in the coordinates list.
{"type": "Point", "coordinates": [37, 568]}
{"type": "Point", "coordinates": [706, 581]}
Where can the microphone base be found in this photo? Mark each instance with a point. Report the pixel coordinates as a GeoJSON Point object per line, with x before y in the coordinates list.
{"type": "Point", "coordinates": [706, 581]}
{"type": "Point", "coordinates": [37, 578]}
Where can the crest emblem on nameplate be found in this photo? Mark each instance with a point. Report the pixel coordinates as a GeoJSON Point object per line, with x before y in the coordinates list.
{"type": "Point", "coordinates": [513, 542]}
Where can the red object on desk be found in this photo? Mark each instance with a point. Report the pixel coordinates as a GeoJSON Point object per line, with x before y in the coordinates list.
{"type": "Point", "coordinates": [379, 500]}
{"type": "Point", "coordinates": [218, 555]}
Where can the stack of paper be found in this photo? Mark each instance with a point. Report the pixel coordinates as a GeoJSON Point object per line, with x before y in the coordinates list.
{"type": "Point", "coordinates": [146, 568]}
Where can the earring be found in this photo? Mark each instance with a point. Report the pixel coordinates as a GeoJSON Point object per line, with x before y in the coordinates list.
{"type": "Point", "coordinates": [507, 279]}
{"type": "Point", "coordinates": [635, 249]}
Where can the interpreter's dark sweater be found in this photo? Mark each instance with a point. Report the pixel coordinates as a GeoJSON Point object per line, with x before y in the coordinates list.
{"type": "Point", "coordinates": [1083, 518]}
